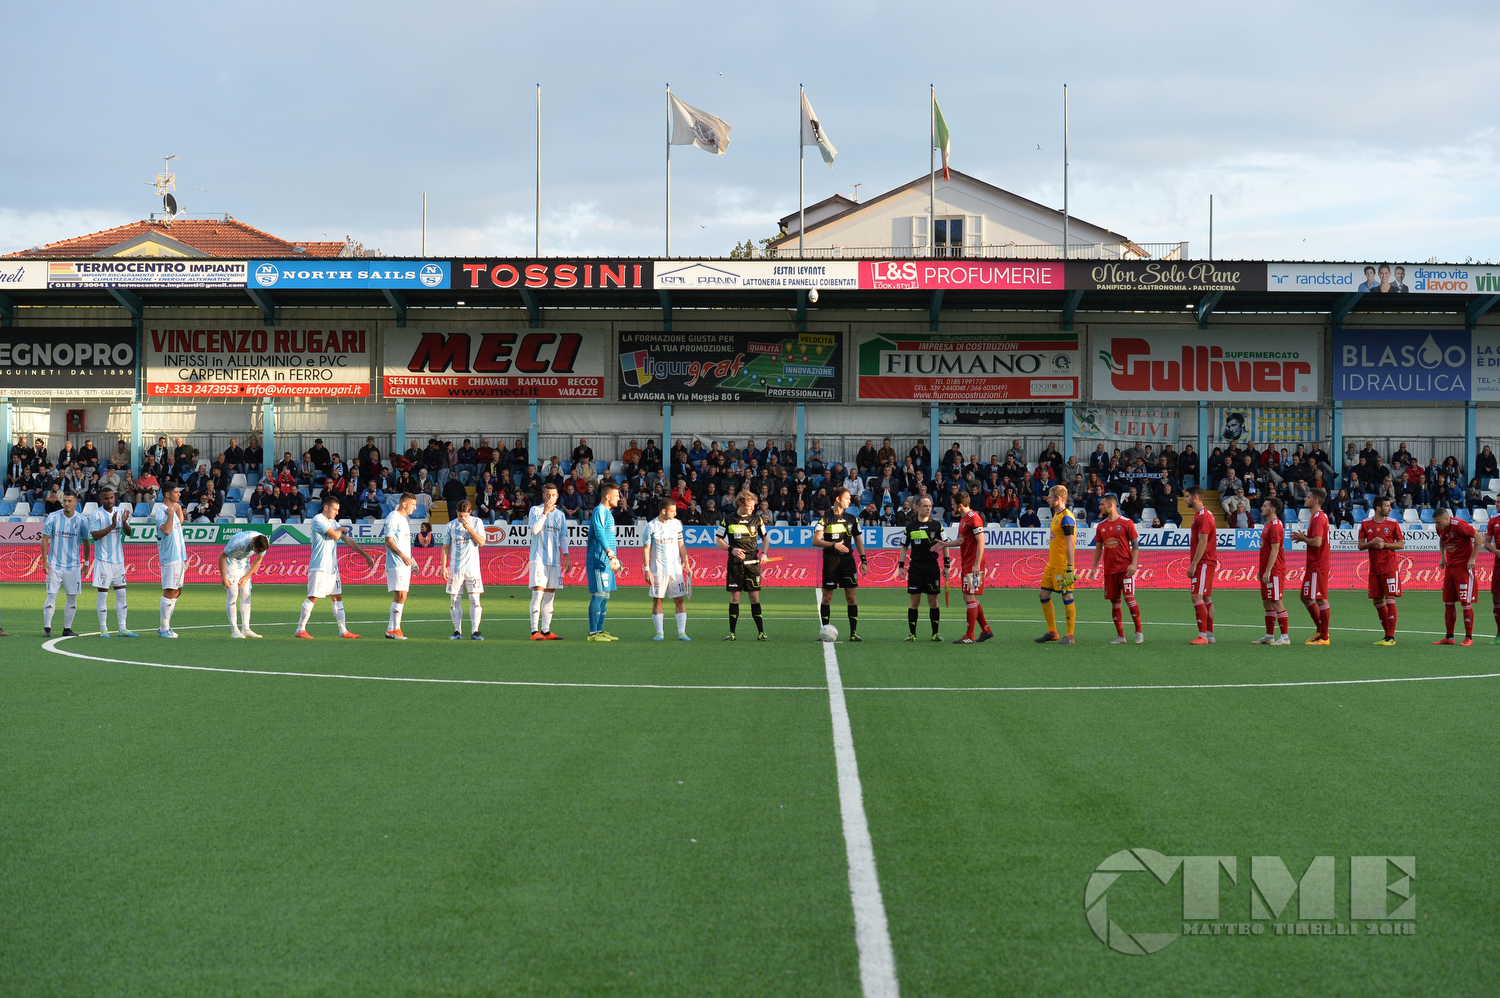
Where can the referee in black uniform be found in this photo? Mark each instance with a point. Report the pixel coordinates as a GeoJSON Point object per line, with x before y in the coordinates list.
{"type": "Point", "coordinates": [924, 540]}
{"type": "Point", "coordinates": [743, 534]}
{"type": "Point", "coordinates": [838, 534]}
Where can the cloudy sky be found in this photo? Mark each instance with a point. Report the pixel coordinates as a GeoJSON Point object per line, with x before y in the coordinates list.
{"type": "Point", "coordinates": [1325, 131]}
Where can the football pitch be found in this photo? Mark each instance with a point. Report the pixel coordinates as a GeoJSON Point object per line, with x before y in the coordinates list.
{"type": "Point", "coordinates": [434, 817]}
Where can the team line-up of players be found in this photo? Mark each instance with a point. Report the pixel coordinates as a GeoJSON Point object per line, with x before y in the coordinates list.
{"type": "Point", "coordinates": [68, 538]}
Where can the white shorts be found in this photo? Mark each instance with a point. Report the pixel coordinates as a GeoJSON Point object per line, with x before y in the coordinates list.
{"type": "Point", "coordinates": [69, 581]}
{"type": "Point", "coordinates": [320, 584]}
{"type": "Point", "coordinates": [545, 576]}
{"type": "Point", "coordinates": [398, 579]}
{"type": "Point", "coordinates": [109, 575]}
{"type": "Point", "coordinates": [235, 575]}
{"type": "Point", "coordinates": [667, 586]}
{"type": "Point", "coordinates": [472, 580]}
{"type": "Point", "coordinates": [172, 575]}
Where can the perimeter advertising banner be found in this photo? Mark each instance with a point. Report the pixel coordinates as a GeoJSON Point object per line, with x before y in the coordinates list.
{"type": "Point", "coordinates": [150, 272]}
{"type": "Point", "coordinates": [1266, 424]}
{"type": "Point", "coordinates": [1188, 277]}
{"type": "Point", "coordinates": [946, 367]}
{"type": "Point", "coordinates": [731, 367]}
{"type": "Point", "coordinates": [1002, 415]}
{"type": "Point", "coordinates": [1384, 278]}
{"type": "Point", "coordinates": [259, 362]}
{"type": "Point", "coordinates": [21, 275]}
{"type": "Point", "coordinates": [564, 275]}
{"type": "Point", "coordinates": [961, 275]}
{"type": "Point", "coordinates": [1147, 425]}
{"type": "Point", "coordinates": [67, 362]}
{"type": "Point", "coordinates": [1260, 366]}
{"type": "Point", "coordinates": [1416, 365]}
{"type": "Point", "coordinates": [347, 273]}
{"type": "Point", "coordinates": [735, 275]}
{"type": "Point", "coordinates": [510, 364]}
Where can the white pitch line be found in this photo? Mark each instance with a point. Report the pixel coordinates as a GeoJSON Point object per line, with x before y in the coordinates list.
{"type": "Point", "coordinates": [872, 934]}
{"type": "Point", "coordinates": [1165, 686]}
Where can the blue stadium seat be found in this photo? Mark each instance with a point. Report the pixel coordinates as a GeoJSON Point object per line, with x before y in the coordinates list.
{"type": "Point", "coordinates": [257, 518]}
{"type": "Point", "coordinates": [1426, 514]}
{"type": "Point", "coordinates": [1465, 515]}
{"type": "Point", "coordinates": [242, 509]}
{"type": "Point", "coordinates": [232, 495]}
{"type": "Point", "coordinates": [294, 519]}
{"type": "Point", "coordinates": [602, 467]}
{"type": "Point", "coordinates": [1358, 513]}
{"type": "Point", "coordinates": [306, 491]}
{"type": "Point", "coordinates": [7, 508]}
{"type": "Point", "coordinates": [224, 519]}
{"type": "Point", "coordinates": [567, 467]}
{"type": "Point", "coordinates": [314, 507]}
{"type": "Point", "coordinates": [142, 509]}
{"type": "Point", "coordinates": [39, 508]}
{"type": "Point", "coordinates": [1369, 499]}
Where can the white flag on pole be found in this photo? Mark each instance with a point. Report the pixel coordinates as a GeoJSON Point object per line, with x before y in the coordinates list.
{"type": "Point", "coordinates": [693, 127]}
{"type": "Point", "coordinates": [813, 134]}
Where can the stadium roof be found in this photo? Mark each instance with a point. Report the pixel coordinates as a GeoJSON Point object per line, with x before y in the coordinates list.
{"type": "Point", "coordinates": [225, 237]}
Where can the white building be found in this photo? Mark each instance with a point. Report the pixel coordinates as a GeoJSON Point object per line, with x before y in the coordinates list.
{"type": "Point", "coordinates": [972, 219]}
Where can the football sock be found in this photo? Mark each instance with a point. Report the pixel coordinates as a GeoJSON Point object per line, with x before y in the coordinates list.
{"type": "Point", "coordinates": [1070, 611]}
{"type": "Point", "coordinates": [50, 606]}
{"type": "Point", "coordinates": [1469, 620]}
{"type": "Point", "coordinates": [536, 609]}
{"type": "Point", "coordinates": [659, 620]}
{"type": "Point", "coordinates": [1316, 615]}
{"type": "Point", "coordinates": [734, 616]}
{"type": "Point", "coordinates": [307, 609]}
{"type": "Point", "coordinates": [120, 608]}
{"type": "Point", "coordinates": [596, 614]}
{"type": "Point", "coordinates": [971, 615]}
{"type": "Point", "coordinates": [681, 623]}
{"type": "Point", "coordinates": [1449, 616]}
{"type": "Point", "coordinates": [547, 600]}
{"type": "Point", "coordinates": [1135, 612]}
{"type": "Point", "coordinates": [167, 606]}
{"type": "Point", "coordinates": [454, 613]}
{"type": "Point", "coordinates": [396, 609]}
{"type": "Point", "coordinates": [1270, 622]}
{"type": "Point", "coordinates": [853, 619]}
{"type": "Point", "coordinates": [760, 624]}
{"type": "Point", "coordinates": [231, 598]}
{"type": "Point", "coordinates": [933, 616]}
{"type": "Point", "coordinates": [1381, 614]}
{"type": "Point", "coordinates": [1200, 615]}
{"type": "Point", "coordinates": [984, 624]}
{"type": "Point", "coordinates": [476, 612]}
{"type": "Point", "coordinates": [1325, 613]}
{"type": "Point", "coordinates": [1117, 612]}
{"type": "Point", "coordinates": [70, 609]}
{"type": "Point", "coordinates": [911, 619]}
{"type": "Point", "coordinates": [823, 611]}
{"type": "Point", "coordinates": [103, 612]}
{"type": "Point", "coordinates": [1049, 615]}
{"type": "Point", "coordinates": [1497, 618]}
{"type": "Point", "coordinates": [338, 616]}
{"type": "Point", "coordinates": [1284, 619]}
{"type": "Point", "coordinates": [244, 607]}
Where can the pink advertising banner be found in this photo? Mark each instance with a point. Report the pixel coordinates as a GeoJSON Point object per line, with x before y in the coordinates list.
{"type": "Point", "coordinates": [959, 275]}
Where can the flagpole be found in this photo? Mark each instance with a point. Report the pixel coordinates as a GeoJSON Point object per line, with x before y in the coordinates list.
{"type": "Point", "coordinates": [931, 167]}
{"type": "Point", "coordinates": [538, 169]}
{"type": "Point", "coordinates": [1065, 171]}
{"type": "Point", "coordinates": [801, 174]}
{"type": "Point", "coordinates": [669, 171]}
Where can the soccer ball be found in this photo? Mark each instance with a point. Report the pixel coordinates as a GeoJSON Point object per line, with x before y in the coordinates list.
{"type": "Point", "coordinates": [828, 633]}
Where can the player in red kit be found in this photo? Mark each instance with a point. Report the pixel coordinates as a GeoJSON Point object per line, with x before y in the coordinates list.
{"type": "Point", "coordinates": [1117, 543]}
{"type": "Point", "coordinates": [1381, 536]}
{"type": "Point", "coordinates": [1203, 543]}
{"type": "Point", "coordinates": [1315, 576]}
{"type": "Point", "coordinates": [971, 559]}
{"type": "Point", "coordinates": [1457, 559]}
{"type": "Point", "coordinates": [1492, 545]}
{"type": "Point", "coordinates": [1272, 573]}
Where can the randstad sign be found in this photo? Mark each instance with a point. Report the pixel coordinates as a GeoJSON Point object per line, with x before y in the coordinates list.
{"type": "Point", "coordinates": [1382, 901]}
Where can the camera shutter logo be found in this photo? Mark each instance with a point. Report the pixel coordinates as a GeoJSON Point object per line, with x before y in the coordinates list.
{"type": "Point", "coordinates": [1200, 895]}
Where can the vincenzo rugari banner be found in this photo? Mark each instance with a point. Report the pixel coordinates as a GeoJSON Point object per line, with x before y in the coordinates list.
{"type": "Point", "coordinates": [731, 367]}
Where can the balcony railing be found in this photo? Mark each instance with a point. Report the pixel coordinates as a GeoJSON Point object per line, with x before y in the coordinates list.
{"type": "Point", "coordinates": [1006, 251]}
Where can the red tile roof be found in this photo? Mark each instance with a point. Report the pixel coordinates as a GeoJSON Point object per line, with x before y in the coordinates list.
{"type": "Point", "coordinates": [229, 239]}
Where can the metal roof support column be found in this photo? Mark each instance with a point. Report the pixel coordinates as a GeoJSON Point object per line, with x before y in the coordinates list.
{"type": "Point", "coordinates": [1206, 307]}
{"type": "Point", "coordinates": [933, 308]}
{"type": "Point", "coordinates": [801, 311]}
{"type": "Point", "coordinates": [1476, 308]}
{"type": "Point", "coordinates": [1070, 307]}
{"type": "Point", "coordinates": [265, 303]}
{"type": "Point", "coordinates": [666, 310]}
{"type": "Point", "coordinates": [398, 305]}
{"type": "Point", "coordinates": [7, 311]}
{"type": "Point", "coordinates": [533, 307]}
{"type": "Point", "coordinates": [1343, 307]}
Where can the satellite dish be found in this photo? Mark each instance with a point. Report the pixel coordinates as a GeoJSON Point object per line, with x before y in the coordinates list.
{"type": "Point", "coordinates": [170, 203]}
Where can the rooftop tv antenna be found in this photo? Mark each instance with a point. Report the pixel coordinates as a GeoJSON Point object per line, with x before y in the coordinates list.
{"type": "Point", "coordinates": [165, 184]}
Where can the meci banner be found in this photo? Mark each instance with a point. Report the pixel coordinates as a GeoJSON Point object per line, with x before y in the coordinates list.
{"type": "Point", "coordinates": [67, 362]}
{"type": "Point", "coordinates": [259, 362]}
{"type": "Point", "coordinates": [1263, 366]}
{"type": "Point", "coordinates": [731, 367]}
{"type": "Point", "coordinates": [978, 367]}
{"type": "Point", "coordinates": [495, 364]}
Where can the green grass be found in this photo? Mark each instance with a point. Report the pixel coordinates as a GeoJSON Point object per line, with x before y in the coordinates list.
{"type": "Point", "coordinates": [194, 832]}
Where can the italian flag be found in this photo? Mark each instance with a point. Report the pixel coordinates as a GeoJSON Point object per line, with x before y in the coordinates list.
{"type": "Point", "coordinates": [940, 135]}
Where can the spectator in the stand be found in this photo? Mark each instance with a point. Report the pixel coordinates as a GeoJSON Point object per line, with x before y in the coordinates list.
{"type": "Point", "coordinates": [363, 454]}
{"type": "Point", "coordinates": [67, 455]}
{"type": "Point", "coordinates": [1165, 505]}
{"type": "Point", "coordinates": [868, 458]}
{"type": "Point", "coordinates": [424, 484]}
{"type": "Point", "coordinates": [921, 456]}
{"type": "Point", "coordinates": [1387, 491]}
{"type": "Point", "coordinates": [585, 471]}
{"type": "Point", "coordinates": [520, 456]}
{"type": "Point", "coordinates": [1340, 510]}
{"type": "Point", "coordinates": [255, 456]}
{"type": "Point", "coordinates": [815, 464]}
{"type": "Point", "coordinates": [424, 537]}
{"type": "Point", "coordinates": [1187, 466]}
{"type": "Point", "coordinates": [337, 468]}
{"type": "Point", "coordinates": [1474, 495]}
{"type": "Point", "coordinates": [319, 455]}
{"type": "Point", "coordinates": [1453, 470]}
{"type": "Point", "coordinates": [234, 456]}
{"type": "Point", "coordinates": [531, 484]}
{"type": "Point", "coordinates": [1486, 466]}
{"type": "Point", "coordinates": [87, 455]}
{"type": "Point", "coordinates": [338, 485]}
{"type": "Point", "coordinates": [262, 503]}
{"type": "Point", "coordinates": [570, 501]}
{"type": "Point", "coordinates": [886, 455]}
{"type": "Point", "coordinates": [1029, 518]}
{"type": "Point", "coordinates": [953, 459]}
{"type": "Point", "coordinates": [290, 504]}
{"type": "Point", "coordinates": [583, 452]}
{"type": "Point", "coordinates": [210, 503]}
{"type": "Point", "coordinates": [308, 470]}
{"type": "Point", "coordinates": [651, 456]}
{"type": "Point", "coordinates": [454, 493]}
{"type": "Point", "coordinates": [466, 461]}
{"type": "Point", "coordinates": [631, 459]}
{"type": "Point", "coordinates": [1231, 484]}
{"type": "Point", "coordinates": [1132, 506]}
{"type": "Point", "coordinates": [1402, 454]}
{"type": "Point", "coordinates": [370, 465]}
{"type": "Point", "coordinates": [1237, 512]}
{"type": "Point", "coordinates": [370, 501]}
{"type": "Point", "coordinates": [147, 486]}
{"type": "Point", "coordinates": [53, 500]}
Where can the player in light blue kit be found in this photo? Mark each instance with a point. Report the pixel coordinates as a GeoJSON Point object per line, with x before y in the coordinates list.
{"type": "Point", "coordinates": [237, 563]}
{"type": "Point", "coordinates": [547, 527]}
{"type": "Point", "coordinates": [107, 527]}
{"type": "Point", "coordinates": [62, 536]}
{"type": "Point", "coordinates": [461, 571]}
{"type": "Point", "coordinates": [323, 567]}
{"type": "Point", "coordinates": [601, 563]}
{"type": "Point", "coordinates": [171, 554]}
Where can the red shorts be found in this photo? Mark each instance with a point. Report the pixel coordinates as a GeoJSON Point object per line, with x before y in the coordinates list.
{"type": "Point", "coordinates": [1495, 579]}
{"type": "Point", "coordinates": [1202, 583]}
{"type": "Point", "coordinates": [1272, 590]}
{"type": "Point", "coordinates": [972, 583]}
{"type": "Point", "coordinates": [1458, 586]}
{"type": "Point", "coordinates": [1118, 585]}
{"type": "Point", "coordinates": [1382, 586]}
{"type": "Point", "coordinates": [1315, 584]}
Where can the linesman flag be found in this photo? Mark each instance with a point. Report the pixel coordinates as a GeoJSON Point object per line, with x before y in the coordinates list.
{"type": "Point", "coordinates": [813, 134]}
{"type": "Point", "coordinates": [693, 127]}
{"type": "Point", "coordinates": [940, 135]}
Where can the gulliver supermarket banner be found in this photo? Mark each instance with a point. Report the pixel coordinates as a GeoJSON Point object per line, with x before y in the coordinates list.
{"type": "Point", "coordinates": [66, 362]}
{"type": "Point", "coordinates": [1262, 367]}
{"type": "Point", "coordinates": [499, 364]}
{"type": "Point", "coordinates": [731, 367]}
{"type": "Point", "coordinates": [259, 362]}
{"type": "Point", "coordinates": [945, 367]}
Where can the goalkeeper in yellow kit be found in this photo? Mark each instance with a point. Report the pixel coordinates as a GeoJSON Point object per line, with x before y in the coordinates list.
{"type": "Point", "coordinates": [1057, 577]}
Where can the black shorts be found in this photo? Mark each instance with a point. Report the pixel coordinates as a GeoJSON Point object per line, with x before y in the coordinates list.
{"type": "Point", "coordinates": [740, 577]}
{"type": "Point", "coordinates": [924, 580]}
{"type": "Point", "coordinates": [840, 573]}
